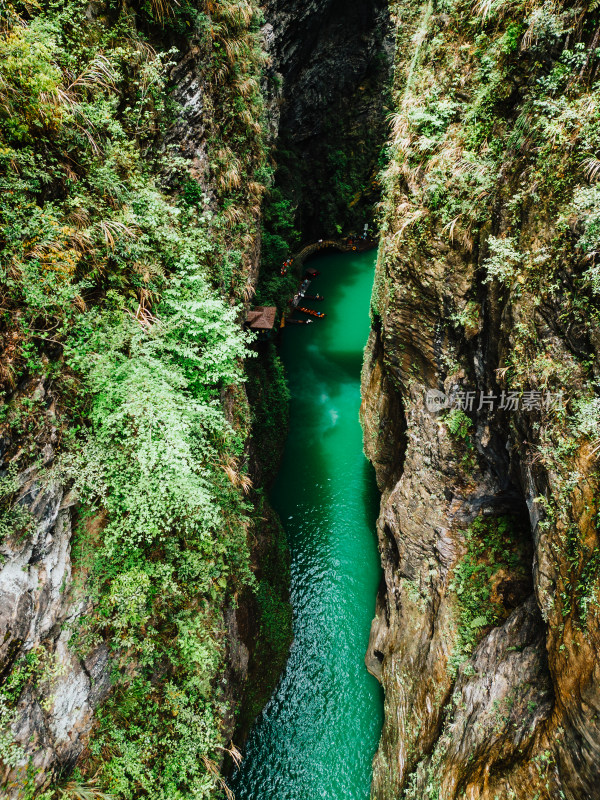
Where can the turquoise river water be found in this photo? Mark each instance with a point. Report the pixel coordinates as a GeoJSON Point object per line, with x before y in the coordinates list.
{"type": "Point", "coordinates": [317, 736]}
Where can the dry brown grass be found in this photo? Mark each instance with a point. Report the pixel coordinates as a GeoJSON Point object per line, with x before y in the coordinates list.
{"type": "Point", "coordinates": [256, 189]}
{"type": "Point", "coordinates": [231, 178]}
{"type": "Point", "coordinates": [246, 87]}
{"type": "Point", "coordinates": [408, 220]}
{"type": "Point", "coordinates": [112, 230]}
{"type": "Point", "coordinates": [214, 770]}
{"type": "Point", "coordinates": [237, 478]}
{"type": "Point", "coordinates": [235, 47]}
{"type": "Point", "coordinates": [233, 216]}
{"type": "Point", "coordinates": [162, 8]}
{"type": "Point", "coordinates": [235, 14]}
{"type": "Point", "coordinates": [77, 790]}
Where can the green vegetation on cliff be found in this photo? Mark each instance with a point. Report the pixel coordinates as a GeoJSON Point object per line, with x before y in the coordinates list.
{"type": "Point", "coordinates": [487, 282]}
{"type": "Point", "coordinates": [122, 259]}
{"type": "Point", "coordinates": [494, 157]}
{"type": "Point", "coordinates": [496, 557]}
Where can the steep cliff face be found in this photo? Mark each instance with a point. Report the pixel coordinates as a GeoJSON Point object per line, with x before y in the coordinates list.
{"type": "Point", "coordinates": [53, 715]}
{"type": "Point", "coordinates": [135, 142]}
{"type": "Point", "coordinates": [487, 628]}
{"type": "Point", "coordinates": [132, 154]}
{"type": "Point", "coordinates": [332, 60]}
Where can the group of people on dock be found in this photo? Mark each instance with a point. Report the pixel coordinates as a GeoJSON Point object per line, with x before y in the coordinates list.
{"type": "Point", "coordinates": [285, 265]}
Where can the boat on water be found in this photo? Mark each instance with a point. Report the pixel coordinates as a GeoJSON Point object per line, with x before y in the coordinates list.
{"type": "Point", "coordinates": [310, 311]}
{"type": "Point", "coordinates": [298, 321]}
{"type": "Point", "coordinates": [313, 297]}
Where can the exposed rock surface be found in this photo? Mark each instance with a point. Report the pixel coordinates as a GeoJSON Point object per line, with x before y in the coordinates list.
{"type": "Point", "coordinates": [516, 713]}
{"type": "Point", "coordinates": [324, 50]}
{"type": "Point", "coordinates": [517, 716]}
{"type": "Point", "coordinates": [333, 59]}
{"type": "Point", "coordinates": [37, 604]}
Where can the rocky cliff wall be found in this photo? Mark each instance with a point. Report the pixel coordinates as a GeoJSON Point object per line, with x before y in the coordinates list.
{"type": "Point", "coordinates": [487, 629]}
{"type": "Point", "coordinates": [58, 660]}
{"type": "Point", "coordinates": [333, 60]}
{"type": "Point", "coordinates": [52, 717]}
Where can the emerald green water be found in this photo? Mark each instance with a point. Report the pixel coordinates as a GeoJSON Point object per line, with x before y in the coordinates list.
{"type": "Point", "coordinates": [317, 736]}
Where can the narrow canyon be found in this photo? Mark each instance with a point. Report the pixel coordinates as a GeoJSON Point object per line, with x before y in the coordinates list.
{"type": "Point", "coordinates": [202, 578]}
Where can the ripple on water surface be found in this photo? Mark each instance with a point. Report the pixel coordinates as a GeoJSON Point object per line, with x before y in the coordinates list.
{"type": "Point", "coordinates": [318, 734]}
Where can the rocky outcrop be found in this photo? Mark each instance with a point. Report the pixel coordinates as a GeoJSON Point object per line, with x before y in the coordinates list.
{"type": "Point", "coordinates": [38, 604]}
{"type": "Point", "coordinates": [324, 50]}
{"type": "Point", "coordinates": [486, 634]}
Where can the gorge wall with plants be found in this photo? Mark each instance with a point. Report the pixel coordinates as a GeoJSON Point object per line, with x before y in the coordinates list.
{"type": "Point", "coordinates": [137, 425]}
{"type": "Point", "coordinates": [329, 77]}
{"type": "Point", "coordinates": [133, 142]}
{"type": "Point", "coordinates": [487, 629]}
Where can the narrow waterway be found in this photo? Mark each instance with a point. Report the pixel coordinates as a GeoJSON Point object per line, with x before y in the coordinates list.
{"type": "Point", "coordinates": [318, 734]}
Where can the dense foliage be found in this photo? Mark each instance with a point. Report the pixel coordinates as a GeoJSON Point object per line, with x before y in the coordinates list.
{"type": "Point", "coordinates": [121, 261]}
{"type": "Point", "coordinates": [495, 547]}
